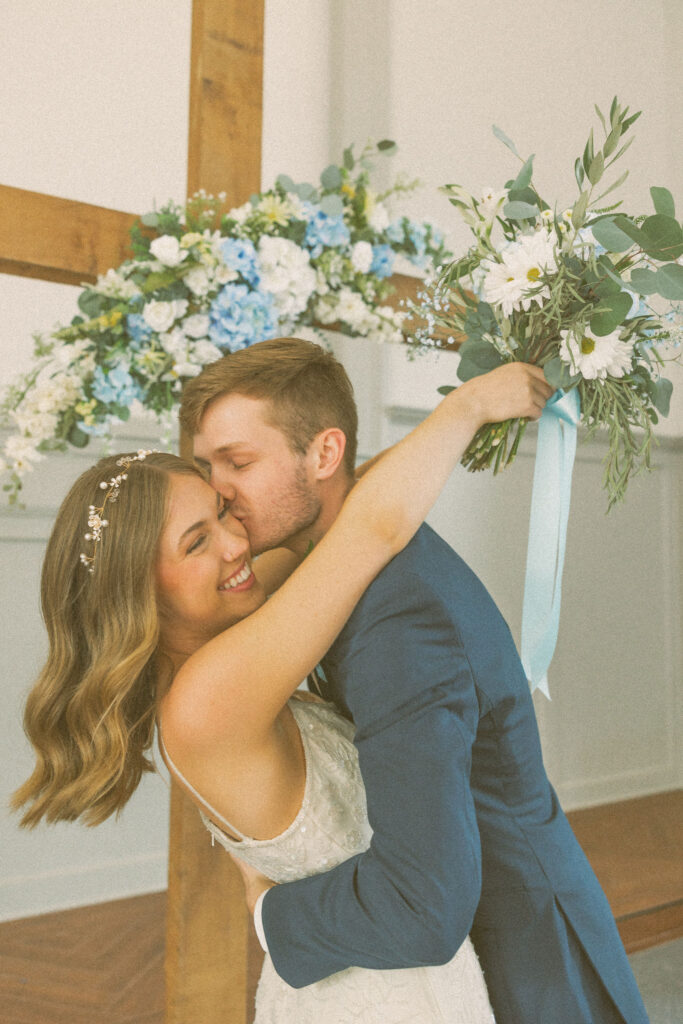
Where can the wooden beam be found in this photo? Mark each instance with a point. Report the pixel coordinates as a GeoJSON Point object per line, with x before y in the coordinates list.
{"type": "Point", "coordinates": [59, 239]}
{"type": "Point", "coordinates": [226, 108]}
{"type": "Point", "coordinates": [211, 958]}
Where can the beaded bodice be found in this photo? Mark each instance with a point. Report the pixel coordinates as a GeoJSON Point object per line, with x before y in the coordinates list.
{"type": "Point", "coordinates": [331, 825]}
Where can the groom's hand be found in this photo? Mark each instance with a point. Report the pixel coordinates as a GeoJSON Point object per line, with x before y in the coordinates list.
{"type": "Point", "coordinates": [254, 882]}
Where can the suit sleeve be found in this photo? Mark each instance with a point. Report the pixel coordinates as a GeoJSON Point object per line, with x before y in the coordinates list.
{"type": "Point", "coordinates": [409, 900]}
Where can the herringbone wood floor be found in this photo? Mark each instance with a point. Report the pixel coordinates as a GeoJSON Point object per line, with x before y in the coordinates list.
{"type": "Point", "coordinates": [93, 965]}
{"type": "Point", "coordinates": [104, 964]}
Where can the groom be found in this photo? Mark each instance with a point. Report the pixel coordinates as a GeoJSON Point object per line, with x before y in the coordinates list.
{"type": "Point", "coordinates": [468, 835]}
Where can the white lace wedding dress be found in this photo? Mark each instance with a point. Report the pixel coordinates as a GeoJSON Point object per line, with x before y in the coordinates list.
{"type": "Point", "coordinates": [330, 827]}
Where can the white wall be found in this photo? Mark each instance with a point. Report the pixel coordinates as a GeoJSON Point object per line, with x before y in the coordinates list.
{"type": "Point", "coordinates": [96, 109]}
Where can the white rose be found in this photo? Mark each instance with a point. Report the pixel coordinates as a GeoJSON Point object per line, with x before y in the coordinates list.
{"type": "Point", "coordinates": [361, 257]}
{"type": "Point", "coordinates": [174, 342]}
{"type": "Point", "coordinates": [161, 315]}
{"type": "Point", "coordinates": [223, 274]}
{"type": "Point", "coordinates": [22, 450]}
{"type": "Point", "coordinates": [197, 326]}
{"type": "Point", "coordinates": [204, 352]}
{"type": "Point", "coordinates": [187, 369]}
{"type": "Point", "coordinates": [167, 250]}
{"type": "Point", "coordinates": [197, 280]}
{"type": "Point", "coordinates": [379, 217]}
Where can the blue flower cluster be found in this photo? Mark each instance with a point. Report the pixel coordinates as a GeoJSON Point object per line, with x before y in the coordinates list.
{"type": "Point", "coordinates": [138, 328]}
{"type": "Point", "coordinates": [240, 317]}
{"type": "Point", "coordinates": [323, 230]}
{"type": "Point", "coordinates": [383, 257]}
{"type": "Point", "coordinates": [240, 255]}
{"type": "Point", "coordinates": [116, 386]}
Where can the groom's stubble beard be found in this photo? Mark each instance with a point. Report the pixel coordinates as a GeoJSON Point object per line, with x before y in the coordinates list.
{"type": "Point", "coordinates": [293, 510]}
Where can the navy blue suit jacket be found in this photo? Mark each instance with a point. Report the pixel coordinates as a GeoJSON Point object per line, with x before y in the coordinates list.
{"type": "Point", "coordinates": [468, 835]}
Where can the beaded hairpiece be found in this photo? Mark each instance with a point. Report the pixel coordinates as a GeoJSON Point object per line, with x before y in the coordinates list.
{"type": "Point", "coordinates": [96, 520]}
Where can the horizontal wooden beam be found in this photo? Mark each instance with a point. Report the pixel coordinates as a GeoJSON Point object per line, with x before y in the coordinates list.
{"type": "Point", "coordinates": [59, 239]}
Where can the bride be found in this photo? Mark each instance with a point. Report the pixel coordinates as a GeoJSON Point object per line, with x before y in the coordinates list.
{"type": "Point", "coordinates": [158, 620]}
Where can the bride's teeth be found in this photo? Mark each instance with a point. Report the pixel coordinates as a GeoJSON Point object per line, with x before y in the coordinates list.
{"type": "Point", "coordinates": [236, 580]}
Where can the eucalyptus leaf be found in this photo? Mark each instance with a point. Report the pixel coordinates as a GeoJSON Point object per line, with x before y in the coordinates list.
{"type": "Point", "coordinates": [305, 191]}
{"type": "Point", "coordinates": [663, 201]}
{"type": "Point", "coordinates": [468, 367]}
{"type": "Point", "coordinates": [601, 116]}
{"type": "Point", "coordinates": [524, 177]}
{"type": "Point", "coordinates": [661, 395]}
{"type": "Point", "coordinates": [77, 437]}
{"type": "Point", "coordinates": [150, 220]}
{"type": "Point", "coordinates": [579, 211]}
{"type": "Point", "coordinates": [610, 236]}
{"type": "Point", "coordinates": [520, 211]}
{"type": "Point", "coordinates": [644, 281]}
{"type": "Point", "coordinates": [445, 389]}
{"type": "Point", "coordinates": [615, 184]}
{"type": "Point", "coordinates": [579, 172]}
{"type": "Point", "coordinates": [481, 354]}
{"type": "Point", "coordinates": [670, 281]}
{"type": "Point", "coordinates": [331, 178]}
{"type": "Point", "coordinates": [596, 168]}
{"type": "Point", "coordinates": [91, 303]}
{"type": "Point", "coordinates": [500, 134]}
{"type": "Point", "coordinates": [332, 205]}
{"type": "Point", "coordinates": [558, 374]}
{"type": "Point", "coordinates": [386, 146]}
{"type": "Point", "coordinates": [285, 182]}
{"type": "Point", "coordinates": [612, 141]}
{"type": "Point", "coordinates": [663, 237]}
{"type": "Point", "coordinates": [349, 161]}
{"type": "Point", "coordinates": [615, 309]}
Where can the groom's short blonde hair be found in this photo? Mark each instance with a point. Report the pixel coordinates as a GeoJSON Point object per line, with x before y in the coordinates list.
{"type": "Point", "coordinates": [307, 388]}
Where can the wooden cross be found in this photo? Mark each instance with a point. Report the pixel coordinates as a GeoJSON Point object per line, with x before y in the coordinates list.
{"type": "Point", "coordinates": [212, 955]}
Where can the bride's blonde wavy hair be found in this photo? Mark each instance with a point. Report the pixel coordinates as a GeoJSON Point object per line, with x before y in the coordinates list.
{"type": "Point", "coordinates": [91, 714]}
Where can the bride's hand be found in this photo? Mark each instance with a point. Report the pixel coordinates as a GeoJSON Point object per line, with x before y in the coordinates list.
{"type": "Point", "coordinates": [511, 391]}
{"type": "Point", "coordinates": [254, 882]}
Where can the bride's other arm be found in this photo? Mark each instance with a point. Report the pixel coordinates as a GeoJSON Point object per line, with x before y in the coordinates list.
{"type": "Point", "coordinates": [247, 673]}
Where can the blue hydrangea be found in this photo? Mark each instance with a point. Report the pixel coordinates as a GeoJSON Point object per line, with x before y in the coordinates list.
{"type": "Point", "coordinates": [240, 317]}
{"type": "Point", "coordinates": [239, 254]}
{"type": "Point", "coordinates": [418, 236]}
{"type": "Point", "coordinates": [116, 387]}
{"type": "Point", "coordinates": [395, 232]}
{"type": "Point", "coordinates": [138, 328]}
{"type": "Point", "coordinates": [382, 260]}
{"type": "Point", "coordinates": [322, 231]}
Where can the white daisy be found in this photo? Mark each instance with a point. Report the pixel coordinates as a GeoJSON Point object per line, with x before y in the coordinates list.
{"type": "Point", "coordinates": [515, 283]}
{"type": "Point", "coordinates": [595, 357]}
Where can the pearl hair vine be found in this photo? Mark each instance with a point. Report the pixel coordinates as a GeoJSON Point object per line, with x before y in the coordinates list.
{"type": "Point", "coordinates": [96, 520]}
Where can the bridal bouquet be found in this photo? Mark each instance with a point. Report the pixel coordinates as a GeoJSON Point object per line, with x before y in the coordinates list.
{"type": "Point", "coordinates": [577, 291]}
{"type": "Point", "coordinates": [204, 283]}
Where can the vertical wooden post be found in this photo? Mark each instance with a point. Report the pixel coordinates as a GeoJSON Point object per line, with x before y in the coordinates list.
{"type": "Point", "coordinates": [212, 956]}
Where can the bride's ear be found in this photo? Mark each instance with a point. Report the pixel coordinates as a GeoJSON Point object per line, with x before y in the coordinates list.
{"type": "Point", "coordinates": [328, 449]}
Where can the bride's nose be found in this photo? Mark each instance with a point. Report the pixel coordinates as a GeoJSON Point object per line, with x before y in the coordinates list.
{"type": "Point", "coordinates": [234, 546]}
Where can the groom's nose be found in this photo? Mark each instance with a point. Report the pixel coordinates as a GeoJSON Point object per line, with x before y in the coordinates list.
{"type": "Point", "coordinates": [221, 483]}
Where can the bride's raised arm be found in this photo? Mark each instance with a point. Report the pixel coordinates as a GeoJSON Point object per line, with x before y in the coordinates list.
{"type": "Point", "coordinates": [247, 673]}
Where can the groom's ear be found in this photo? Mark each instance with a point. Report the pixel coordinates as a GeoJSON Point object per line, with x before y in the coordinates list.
{"type": "Point", "coordinates": [328, 449]}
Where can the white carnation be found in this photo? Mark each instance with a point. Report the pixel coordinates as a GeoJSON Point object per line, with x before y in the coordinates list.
{"type": "Point", "coordinates": [378, 218]}
{"type": "Point", "coordinates": [22, 452]}
{"type": "Point", "coordinates": [115, 285]}
{"type": "Point", "coordinates": [241, 213]}
{"type": "Point", "coordinates": [167, 250]}
{"type": "Point", "coordinates": [287, 274]}
{"type": "Point", "coordinates": [175, 343]}
{"type": "Point", "coordinates": [361, 257]}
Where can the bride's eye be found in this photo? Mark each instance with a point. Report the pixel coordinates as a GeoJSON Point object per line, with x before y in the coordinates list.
{"type": "Point", "coordinates": [223, 512]}
{"type": "Point", "coordinates": [196, 544]}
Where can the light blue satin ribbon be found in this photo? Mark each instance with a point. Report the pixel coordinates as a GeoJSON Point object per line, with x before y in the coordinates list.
{"type": "Point", "coordinates": [548, 534]}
